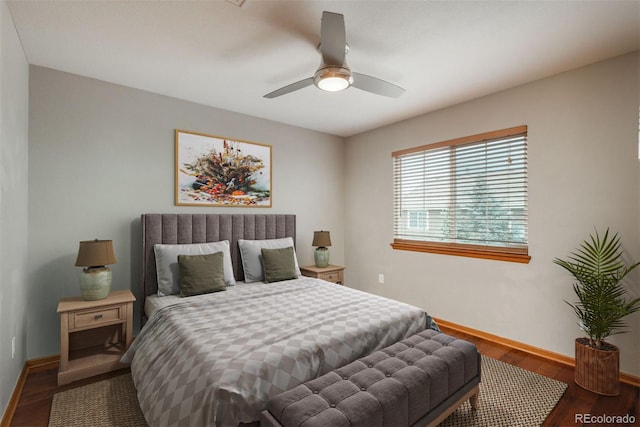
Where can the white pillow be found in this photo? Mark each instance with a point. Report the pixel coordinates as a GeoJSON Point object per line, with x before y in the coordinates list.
{"type": "Point", "coordinates": [167, 263]}
{"type": "Point", "coordinates": [251, 254]}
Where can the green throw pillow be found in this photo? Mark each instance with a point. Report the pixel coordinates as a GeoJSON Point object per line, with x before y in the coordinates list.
{"type": "Point", "coordinates": [201, 274]}
{"type": "Point", "coordinates": [279, 264]}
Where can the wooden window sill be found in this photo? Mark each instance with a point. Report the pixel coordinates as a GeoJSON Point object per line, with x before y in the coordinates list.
{"type": "Point", "coordinates": [520, 256]}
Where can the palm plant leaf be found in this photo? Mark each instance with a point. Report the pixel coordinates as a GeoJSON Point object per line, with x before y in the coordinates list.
{"type": "Point", "coordinates": [599, 269]}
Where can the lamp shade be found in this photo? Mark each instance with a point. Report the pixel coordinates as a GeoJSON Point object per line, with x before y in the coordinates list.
{"type": "Point", "coordinates": [95, 253]}
{"type": "Point", "coordinates": [321, 238]}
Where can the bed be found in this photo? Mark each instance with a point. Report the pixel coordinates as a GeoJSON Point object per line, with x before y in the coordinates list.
{"type": "Point", "coordinates": [217, 358]}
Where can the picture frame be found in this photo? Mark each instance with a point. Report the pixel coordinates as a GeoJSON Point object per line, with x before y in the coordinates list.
{"type": "Point", "coordinates": [218, 171]}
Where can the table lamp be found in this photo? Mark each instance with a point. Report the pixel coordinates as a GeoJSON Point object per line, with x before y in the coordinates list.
{"type": "Point", "coordinates": [321, 239]}
{"type": "Point", "coordinates": [95, 279]}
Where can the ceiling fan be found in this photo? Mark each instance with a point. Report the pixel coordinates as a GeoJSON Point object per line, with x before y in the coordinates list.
{"type": "Point", "coordinates": [334, 75]}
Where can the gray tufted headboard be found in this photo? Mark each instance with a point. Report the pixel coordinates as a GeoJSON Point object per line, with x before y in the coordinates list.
{"type": "Point", "coordinates": [203, 228]}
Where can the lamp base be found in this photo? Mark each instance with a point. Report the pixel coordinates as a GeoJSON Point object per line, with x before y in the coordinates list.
{"type": "Point", "coordinates": [95, 283]}
{"type": "Point", "coordinates": [321, 257]}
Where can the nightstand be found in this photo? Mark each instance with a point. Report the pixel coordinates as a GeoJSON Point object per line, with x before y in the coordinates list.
{"type": "Point", "coordinates": [94, 335]}
{"type": "Point", "coordinates": [331, 273]}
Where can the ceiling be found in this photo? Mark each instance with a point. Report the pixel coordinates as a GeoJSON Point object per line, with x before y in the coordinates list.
{"type": "Point", "coordinates": [216, 53]}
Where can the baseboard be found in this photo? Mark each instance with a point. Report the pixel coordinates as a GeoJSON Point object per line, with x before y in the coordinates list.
{"type": "Point", "coordinates": [529, 349]}
{"type": "Point", "coordinates": [33, 365]}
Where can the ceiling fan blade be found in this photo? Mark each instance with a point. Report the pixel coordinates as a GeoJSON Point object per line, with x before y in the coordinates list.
{"type": "Point", "coordinates": [375, 85]}
{"type": "Point", "coordinates": [290, 88]}
{"type": "Point", "coordinates": [333, 40]}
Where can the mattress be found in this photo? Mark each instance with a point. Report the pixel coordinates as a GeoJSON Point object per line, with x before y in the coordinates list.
{"type": "Point", "coordinates": [217, 359]}
{"type": "Point", "coordinates": [154, 302]}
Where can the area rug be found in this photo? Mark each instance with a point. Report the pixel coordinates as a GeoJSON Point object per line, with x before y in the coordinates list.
{"type": "Point", "coordinates": [107, 403]}
{"type": "Point", "coordinates": [509, 397]}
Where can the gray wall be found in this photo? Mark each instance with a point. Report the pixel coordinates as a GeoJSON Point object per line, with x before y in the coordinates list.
{"type": "Point", "coordinates": [583, 173]}
{"type": "Point", "coordinates": [14, 118]}
{"type": "Point", "coordinates": [102, 154]}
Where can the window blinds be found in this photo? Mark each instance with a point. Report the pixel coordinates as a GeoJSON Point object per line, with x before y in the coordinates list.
{"type": "Point", "coordinates": [468, 191]}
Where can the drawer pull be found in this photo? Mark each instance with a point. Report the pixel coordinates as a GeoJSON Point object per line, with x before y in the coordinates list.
{"type": "Point", "coordinates": [97, 316]}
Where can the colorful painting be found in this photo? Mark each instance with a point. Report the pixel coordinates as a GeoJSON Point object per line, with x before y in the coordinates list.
{"type": "Point", "coordinates": [217, 171]}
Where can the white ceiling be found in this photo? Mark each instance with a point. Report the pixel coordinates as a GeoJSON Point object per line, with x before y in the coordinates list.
{"type": "Point", "coordinates": [218, 54]}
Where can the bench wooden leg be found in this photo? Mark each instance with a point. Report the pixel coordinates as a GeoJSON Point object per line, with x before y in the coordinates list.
{"type": "Point", "coordinates": [473, 400]}
{"type": "Point", "coordinates": [472, 395]}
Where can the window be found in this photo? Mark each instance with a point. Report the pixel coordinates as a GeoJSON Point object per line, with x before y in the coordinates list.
{"type": "Point", "coordinates": [466, 196]}
{"type": "Point", "coordinates": [415, 219]}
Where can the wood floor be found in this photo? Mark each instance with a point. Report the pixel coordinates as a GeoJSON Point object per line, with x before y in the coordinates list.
{"type": "Point", "coordinates": [35, 402]}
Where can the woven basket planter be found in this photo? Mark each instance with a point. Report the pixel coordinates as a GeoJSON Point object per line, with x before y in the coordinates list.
{"type": "Point", "coordinates": [597, 370]}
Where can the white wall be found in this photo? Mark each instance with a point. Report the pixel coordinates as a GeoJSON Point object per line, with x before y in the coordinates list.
{"type": "Point", "coordinates": [14, 116]}
{"type": "Point", "coordinates": [583, 173]}
{"type": "Point", "coordinates": [102, 154]}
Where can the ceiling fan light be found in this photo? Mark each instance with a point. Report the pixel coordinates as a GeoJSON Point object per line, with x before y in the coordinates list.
{"type": "Point", "coordinates": [333, 84]}
{"type": "Point", "coordinates": [333, 79]}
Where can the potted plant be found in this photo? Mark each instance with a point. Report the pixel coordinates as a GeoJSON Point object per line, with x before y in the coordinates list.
{"type": "Point", "coordinates": [598, 268]}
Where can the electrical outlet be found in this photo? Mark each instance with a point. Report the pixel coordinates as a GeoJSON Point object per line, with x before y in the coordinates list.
{"type": "Point", "coordinates": [13, 347]}
{"type": "Point", "coordinates": [381, 279]}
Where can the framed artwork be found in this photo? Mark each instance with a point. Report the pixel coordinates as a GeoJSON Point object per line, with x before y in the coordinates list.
{"type": "Point", "coordinates": [218, 171]}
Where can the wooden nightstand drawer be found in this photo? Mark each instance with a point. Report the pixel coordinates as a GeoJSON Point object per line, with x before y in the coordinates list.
{"type": "Point", "coordinates": [334, 276]}
{"type": "Point", "coordinates": [93, 318]}
{"type": "Point", "coordinates": [331, 273]}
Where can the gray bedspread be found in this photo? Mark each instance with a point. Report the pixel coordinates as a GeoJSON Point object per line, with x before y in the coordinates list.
{"type": "Point", "coordinates": [217, 359]}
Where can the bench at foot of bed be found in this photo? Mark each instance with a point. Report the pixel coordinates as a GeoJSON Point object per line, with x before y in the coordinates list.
{"type": "Point", "coordinates": [418, 381]}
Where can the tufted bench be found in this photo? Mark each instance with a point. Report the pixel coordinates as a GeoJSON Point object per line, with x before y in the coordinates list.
{"type": "Point", "coordinates": [415, 382]}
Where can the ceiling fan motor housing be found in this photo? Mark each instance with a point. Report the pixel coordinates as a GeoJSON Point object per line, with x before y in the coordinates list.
{"type": "Point", "coordinates": [333, 78]}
